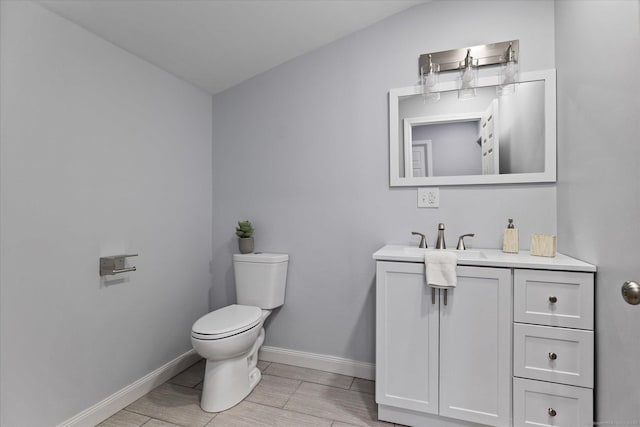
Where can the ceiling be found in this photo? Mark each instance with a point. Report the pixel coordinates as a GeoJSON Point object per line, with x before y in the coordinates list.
{"type": "Point", "coordinates": [216, 44]}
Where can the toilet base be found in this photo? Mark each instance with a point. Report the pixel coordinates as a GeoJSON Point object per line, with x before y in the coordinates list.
{"type": "Point", "coordinates": [228, 382]}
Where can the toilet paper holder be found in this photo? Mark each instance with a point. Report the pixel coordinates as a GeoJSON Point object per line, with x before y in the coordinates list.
{"type": "Point", "coordinates": [110, 265]}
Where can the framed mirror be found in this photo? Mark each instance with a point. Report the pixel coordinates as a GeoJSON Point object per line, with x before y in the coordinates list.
{"type": "Point", "coordinates": [488, 139]}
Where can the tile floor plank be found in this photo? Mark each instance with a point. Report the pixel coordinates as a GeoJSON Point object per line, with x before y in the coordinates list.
{"type": "Point", "coordinates": [273, 391]}
{"type": "Point", "coordinates": [309, 375]}
{"type": "Point", "coordinates": [191, 376]}
{"type": "Point", "coordinates": [124, 419]}
{"type": "Point", "coordinates": [248, 414]}
{"type": "Point", "coordinates": [173, 403]}
{"type": "Point", "coordinates": [158, 423]}
{"type": "Point", "coordinates": [346, 406]}
{"type": "Point", "coordinates": [364, 386]}
{"type": "Point", "coordinates": [262, 365]}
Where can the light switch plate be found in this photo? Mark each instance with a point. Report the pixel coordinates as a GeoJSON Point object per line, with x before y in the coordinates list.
{"type": "Point", "coordinates": [428, 197]}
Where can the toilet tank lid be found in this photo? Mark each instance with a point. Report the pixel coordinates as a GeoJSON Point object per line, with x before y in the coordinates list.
{"type": "Point", "coordinates": [261, 257]}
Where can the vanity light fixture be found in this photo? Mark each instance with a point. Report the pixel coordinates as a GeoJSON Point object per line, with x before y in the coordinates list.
{"type": "Point", "coordinates": [466, 62]}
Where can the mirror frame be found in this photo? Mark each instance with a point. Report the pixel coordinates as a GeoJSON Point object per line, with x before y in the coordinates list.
{"type": "Point", "coordinates": [549, 174]}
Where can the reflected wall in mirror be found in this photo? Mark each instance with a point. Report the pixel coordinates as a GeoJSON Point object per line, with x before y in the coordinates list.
{"type": "Point", "coordinates": [488, 139]}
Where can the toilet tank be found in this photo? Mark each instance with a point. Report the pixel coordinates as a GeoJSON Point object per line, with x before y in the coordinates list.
{"type": "Point", "coordinates": [261, 279]}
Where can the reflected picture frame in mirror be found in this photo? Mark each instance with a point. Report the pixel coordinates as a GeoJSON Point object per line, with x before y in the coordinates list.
{"type": "Point", "coordinates": [493, 139]}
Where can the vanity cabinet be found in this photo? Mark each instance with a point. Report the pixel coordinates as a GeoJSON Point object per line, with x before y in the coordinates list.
{"type": "Point", "coordinates": [512, 346]}
{"type": "Point", "coordinates": [451, 360]}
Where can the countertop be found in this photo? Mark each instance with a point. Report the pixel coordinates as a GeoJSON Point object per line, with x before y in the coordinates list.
{"type": "Point", "coordinates": [487, 258]}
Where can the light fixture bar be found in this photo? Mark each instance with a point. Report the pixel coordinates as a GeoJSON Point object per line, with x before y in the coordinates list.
{"type": "Point", "coordinates": [487, 54]}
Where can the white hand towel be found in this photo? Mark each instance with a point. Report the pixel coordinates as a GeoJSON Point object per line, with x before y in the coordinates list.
{"type": "Point", "coordinates": [440, 268]}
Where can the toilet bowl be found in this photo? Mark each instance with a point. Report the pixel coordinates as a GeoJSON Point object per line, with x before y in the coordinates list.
{"type": "Point", "coordinates": [229, 338]}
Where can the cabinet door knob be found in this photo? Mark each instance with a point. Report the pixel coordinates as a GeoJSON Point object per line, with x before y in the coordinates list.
{"type": "Point", "coordinates": [553, 299]}
{"type": "Point", "coordinates": [552, 412]}
{"type": "Point", "coordinates": [552, 356]}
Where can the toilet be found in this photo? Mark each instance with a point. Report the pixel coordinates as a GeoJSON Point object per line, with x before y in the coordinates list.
{"type": "Point", "coordinates": [229, 338]}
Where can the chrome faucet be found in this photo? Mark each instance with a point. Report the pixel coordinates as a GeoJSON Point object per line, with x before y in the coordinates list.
{"type": "Point", "coordinates": [423, 240]}
{"type": "Point", "coordinates": [440, 244]}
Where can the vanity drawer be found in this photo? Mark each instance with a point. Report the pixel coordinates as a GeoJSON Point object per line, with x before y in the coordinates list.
{"type": "Point", "coordinates": [537, 403]}
{"type": "Point", "coordinates": [553, 354]}
{"type": "Point", "coordinates": [554, 298]}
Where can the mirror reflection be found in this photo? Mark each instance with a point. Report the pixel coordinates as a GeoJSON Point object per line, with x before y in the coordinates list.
{"type": "Point", "coordinates": [488, 139]}
{"type": "Point", "coordinates": [485, 135]}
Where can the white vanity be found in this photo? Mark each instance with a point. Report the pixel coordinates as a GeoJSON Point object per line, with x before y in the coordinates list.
{"type": "Point", "coordinates": [513, 345]}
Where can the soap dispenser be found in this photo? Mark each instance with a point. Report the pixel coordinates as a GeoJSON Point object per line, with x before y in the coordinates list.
{"type": "Point", "coordinates": [510, 240]}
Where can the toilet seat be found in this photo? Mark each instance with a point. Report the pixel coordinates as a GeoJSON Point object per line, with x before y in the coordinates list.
{"type": "Point", "coordinates": [227, 321]}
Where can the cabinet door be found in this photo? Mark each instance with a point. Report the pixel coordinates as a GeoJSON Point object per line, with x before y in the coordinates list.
{"type": "Point", "coordinates": [406, 338]}
{"type": "Point", "coordinates": [475, 347]}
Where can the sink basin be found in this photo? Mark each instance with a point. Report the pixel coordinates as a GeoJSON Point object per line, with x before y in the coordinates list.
{"type": "Point", "coordinates": [413, 253]}
{"type": "Point", "coordinates": [468, 254]}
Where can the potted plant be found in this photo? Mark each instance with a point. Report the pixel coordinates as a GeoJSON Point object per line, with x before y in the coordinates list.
{"type": "Point", "coordinates": [244, 231]}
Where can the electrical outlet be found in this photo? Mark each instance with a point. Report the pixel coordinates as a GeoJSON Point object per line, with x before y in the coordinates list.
{"type": "Point", "coordinates": [428, 197]}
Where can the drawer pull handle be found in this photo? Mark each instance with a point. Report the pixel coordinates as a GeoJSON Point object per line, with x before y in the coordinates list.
{"type": "Point", "coordinates": [553, 300]}
{"type": "Point", "coordinates": [552, 356]}
{"type": "Point", "coordinates": [552, 412]}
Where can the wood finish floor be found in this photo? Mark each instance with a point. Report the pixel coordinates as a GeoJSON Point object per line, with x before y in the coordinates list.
{"type": "Point", "coordinates": [287, 396]}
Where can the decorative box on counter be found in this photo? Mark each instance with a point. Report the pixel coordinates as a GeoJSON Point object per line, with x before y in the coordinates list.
{"type": "Point", "coordinates": [543, 245]}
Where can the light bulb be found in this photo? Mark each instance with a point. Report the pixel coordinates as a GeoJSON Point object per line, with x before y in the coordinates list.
{"type": "Point", "coordinates": [430, 80]}
{"type": "Point", "coordinates": [467, 83]}
{"type": "Point", "coordinates": [510, 73]}
{"type": "Point", "coordinates": [467, 77]}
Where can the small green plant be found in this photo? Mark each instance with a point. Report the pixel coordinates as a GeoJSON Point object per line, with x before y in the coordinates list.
{"type": "Point", "coordinates": [244, 229]}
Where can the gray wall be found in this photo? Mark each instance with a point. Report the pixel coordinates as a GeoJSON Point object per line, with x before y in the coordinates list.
{"type": "Point", "coordinates": [598, 176]}
{"type": "Point", "coordinates": [302, 151]}
{"type": "Point", "coordinates": [101, 153]}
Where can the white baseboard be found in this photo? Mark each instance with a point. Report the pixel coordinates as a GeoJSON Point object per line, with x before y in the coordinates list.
{"type": "Point", "coordinates": [124, 397]}
{"type": "Point", "coordinates": [321, 362]}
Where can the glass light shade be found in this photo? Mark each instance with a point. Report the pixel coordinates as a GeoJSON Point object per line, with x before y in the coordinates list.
{"type": "Point", "coordinates": [467, 80]}
{"type": "Point", "coordinates": [429, 83]}
{"type": "Point", "coordinates": [509, 74]}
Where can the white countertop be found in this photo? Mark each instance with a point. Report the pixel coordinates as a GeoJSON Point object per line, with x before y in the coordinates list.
{"type": "Point", "coordinates": [487, 258]}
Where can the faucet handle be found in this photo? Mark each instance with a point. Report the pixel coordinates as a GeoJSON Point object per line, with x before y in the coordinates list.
{"type": "Point", "coordinates": [423, 240]}
{"type": "Point", "coordinates": [461, 246]}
